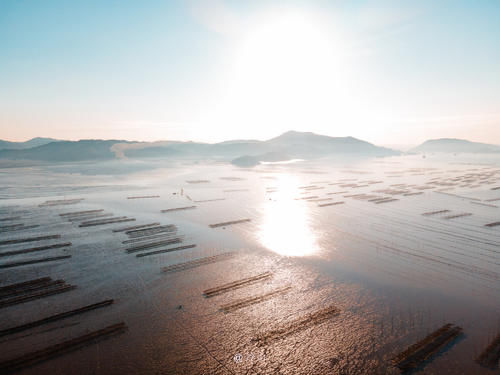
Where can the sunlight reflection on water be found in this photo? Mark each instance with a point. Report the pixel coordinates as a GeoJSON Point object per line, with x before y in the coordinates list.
{"type": "Point", "coordinates": [285, 227]}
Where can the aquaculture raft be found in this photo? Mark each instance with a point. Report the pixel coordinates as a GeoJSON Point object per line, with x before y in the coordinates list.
{"type": "Point", "coordinates": [119, 219]}
{"type": "Point", "coordinates": [60, 202]}
{"type": "Point", "coordinates": [17, 227]}
{"type": "Point", "coordinates": [61, 348]}
{"type": "Point", "coordinates": [416, 354]}
{"type": "Point", "coordinates": [491, 355]}
{"type": "Point", "coordinates": [78, 213]}
{"type": "Point", "coordinates": [229, 223]}
{"type": "Point", "coordinates": [455, 216]}
{"type": "Point", "coordinates": [30, 239]}
{"type": "Point", "coordinates": [165, 250]}
{"type": "Point", "coordinates": [32, 289]}
{"type": "Point", "coordinates": [178, 209]}
{"type": "Point", "coordinates": [127, 229]}
{"type": "Point", "coordinates": [491, 225]}
{"type": "Point", "coordinates": [241, 303]}
{"type": "Point", "coordinates": [151, 245]}
{"type": "Point", "coordinates": [435, 212]}
{"type": "Point", "coordinates": [34, 261]}
{"type": "Point", "coordinates": [144, 197]}
{"type": "Point", "coordinates": [236, 284]}
{"type": "Point", "coordinates": [55, 317]}
{"type": "Point", "coordinates": [33, 249]}
{"type": "Point", "coordinates": [297, 325]}
{"type": "Point", "coordinates": [330, 204]}
{"type": "Point", "coordinates": [197, 262]}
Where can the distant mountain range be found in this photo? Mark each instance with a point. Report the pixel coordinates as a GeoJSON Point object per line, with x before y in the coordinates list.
{"type": "Point", "coordinates": [62, 151]}
{"type": "Point", "coordinates": [289, 145]}
{"type": "Point", "coordinates": [24, 145]}
{"type": "Point", "coordinates": [452, 145]}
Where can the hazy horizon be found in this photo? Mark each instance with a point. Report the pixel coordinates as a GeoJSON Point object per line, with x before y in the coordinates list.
{"type": "Point", "coordinates": [260, 187]}
{"type": "Point", "coordinates": [388, 73]}
{"type": "Point", "coordinates": [400, 147]}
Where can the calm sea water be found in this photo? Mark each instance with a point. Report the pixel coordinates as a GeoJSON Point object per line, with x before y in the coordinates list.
{"type": "Point", "coordinates": [393, 274]}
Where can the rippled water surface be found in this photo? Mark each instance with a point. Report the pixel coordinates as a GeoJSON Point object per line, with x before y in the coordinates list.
{"type": "Point", "coordinates": [346, 281]}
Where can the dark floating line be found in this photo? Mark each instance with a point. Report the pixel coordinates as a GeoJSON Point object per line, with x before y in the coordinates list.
{"type": "Point", "coordinates": [60, 202]}
{"type": "Point", "coordinates": [53, 351]}
{"type": "Point", "coordinates": [314, 188]}
{"type": "Point", "coordinates": [411, 194]}
{"type": "Point", "coordinates": [33, 296]}
{"type": "Point", "coordinates": [178, 209]}
{"type": "Point", "coordinates": [229, 223]}
{"type": "Point", "coordinates": [88, 217]}
{"type": "Point", "coordinates": [457, 216]}
{"type": "Point", "coordinates": [491, 225]}
{"type": "Point", "coordinates": [144, 197]}
{"type": "Point", "coordinates": [30, 239]}
{"type": "Point", "coordinates": [126, 229]}
{"type": "Point", "coordinates": [24, 284]}
{"type": "Point", "coordinates": [306, 198]}
{"type": "Point", "coordinates": [236, 284]}
{"type": "Point", "coordinates": [232, 178]}
{"type": "Point", "coordinates": [386, 201]}
{"type": "Point", "coordinates": [330, 204]}
{"type": "Point", "coordinates": [80, 213]}
{"type": "Point", "coordinates": [197, 262]}
{"type": "Point", "coordinates": [458, 196]}
{"type": "Point", "coordinates": [33, 249]}
{"type": "Point", "coordinates": [31, 289]}
{"type": "Point", "coordinates": [491, 355]}
{"type": "Point", "coordinates": [241, 303]}
{"type": "Point", "coordinates": [98, 221]}
{"type": "Point", "coordinates": [435, 212]}
{"type": "Point", "coordinates": [165, 251]}
{"type": "Point", "coordinates": [151, 230]}
{"type": "Point", "coordinates": [56, 317]}
{"type": "Point", "coordinates": [34, 261]}
{"type": "Point", "coordinates": [104, 222]}
{"type": "Point", "coordinates": [210, 200]}
{"type": "Point", "coordinates": [144, 239]}
{"type": "Point", "coordinates": [484, 204]}
{"type": "Point", "coordinates": [22, 227]}
{"type": "Point", "coordinates": [12, 218]}
{"type": "Point", "coordinates": [151, 245]}
{"type": "Point", "coordinates": [12, 226]}
{"type": "Point", "coordinates": [297, 325]}
{"type": "Point", "coordinates": [64, 200]}
{"type": "Point", "coordinates": [423, 350]}
{"type": "Point", "coordinates": [142, 235]}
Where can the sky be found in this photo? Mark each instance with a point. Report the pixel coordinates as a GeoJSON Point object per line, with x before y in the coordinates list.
{"type": "Point", "coordinates": [388, 72]}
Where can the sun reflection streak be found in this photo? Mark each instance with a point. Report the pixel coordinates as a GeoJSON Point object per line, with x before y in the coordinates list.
{"type": "Point", "coordinates": [285, 227]}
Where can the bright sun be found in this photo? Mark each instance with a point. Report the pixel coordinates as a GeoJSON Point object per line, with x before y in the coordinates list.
{"type": "Point", "coordinates": [286, 73]}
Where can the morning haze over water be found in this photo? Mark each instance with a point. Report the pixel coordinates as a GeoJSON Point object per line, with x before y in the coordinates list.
{"type": "Point", "coordinates": [218, 187]}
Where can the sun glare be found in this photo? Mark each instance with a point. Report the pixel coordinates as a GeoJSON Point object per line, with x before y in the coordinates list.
{"type": "Point", "coordinates": [285, 227]}
{"type": "Point", "coordinates": [286, 73]}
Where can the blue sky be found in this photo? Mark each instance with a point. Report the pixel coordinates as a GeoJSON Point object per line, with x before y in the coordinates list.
{"type": "Point", "coordinates": [390, 72]}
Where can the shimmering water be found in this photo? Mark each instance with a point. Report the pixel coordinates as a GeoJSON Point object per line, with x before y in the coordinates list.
{"type": "Point", "coordinates": [394, 274]}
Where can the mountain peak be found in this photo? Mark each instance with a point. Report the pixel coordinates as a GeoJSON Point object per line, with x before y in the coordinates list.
{"type": "Point", "coordinates": [454, 145]}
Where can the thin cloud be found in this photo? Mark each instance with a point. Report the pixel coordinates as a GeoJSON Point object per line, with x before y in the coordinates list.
{"type": "Point", "coordinates": [217, 16]}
